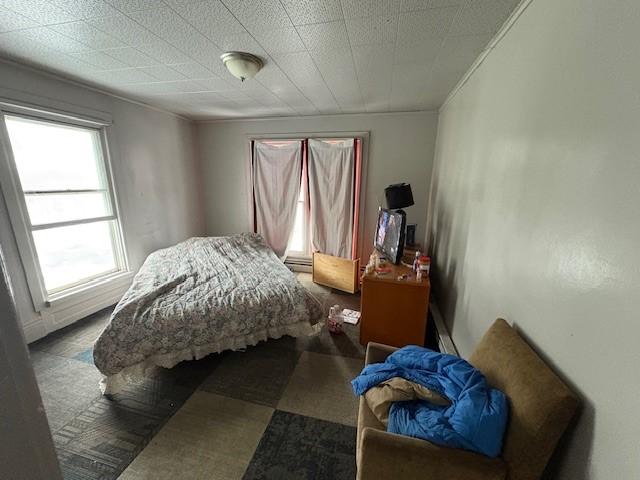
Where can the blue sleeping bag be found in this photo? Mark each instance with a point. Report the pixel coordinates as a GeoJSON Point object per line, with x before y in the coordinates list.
{"type": "Point", "coordinates": [476, 418]}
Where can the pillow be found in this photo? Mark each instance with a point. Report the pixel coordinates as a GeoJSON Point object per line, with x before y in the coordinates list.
{"type": "Point", "coordinates": [398, 389]}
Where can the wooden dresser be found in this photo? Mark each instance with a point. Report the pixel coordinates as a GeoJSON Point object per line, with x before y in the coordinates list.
{"type": "Point", "coordinates": [394, 312]}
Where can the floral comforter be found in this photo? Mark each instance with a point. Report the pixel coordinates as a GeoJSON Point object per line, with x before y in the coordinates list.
{"type": "Point", "coordinates": [201, 296]}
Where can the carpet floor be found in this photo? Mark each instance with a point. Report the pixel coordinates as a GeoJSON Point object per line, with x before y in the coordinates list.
{"type": "Point", "coordinates": [282, 409]}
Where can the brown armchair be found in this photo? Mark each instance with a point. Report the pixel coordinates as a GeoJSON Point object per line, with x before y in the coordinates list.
{"type": "Point", "coordinates": [541, 406]}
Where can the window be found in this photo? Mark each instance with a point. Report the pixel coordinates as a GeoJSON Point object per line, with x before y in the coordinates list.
{"type": "Point", "coordinates": [299, 245]}
{"type": "Point", "coordinates": [67, 210]}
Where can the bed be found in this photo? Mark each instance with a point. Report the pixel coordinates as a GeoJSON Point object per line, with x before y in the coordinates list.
{"type": "Point", "coordinates": [201, 296]}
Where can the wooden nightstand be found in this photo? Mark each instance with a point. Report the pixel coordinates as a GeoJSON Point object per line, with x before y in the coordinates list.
{"type": "Point", "coordinates": [394, 312]}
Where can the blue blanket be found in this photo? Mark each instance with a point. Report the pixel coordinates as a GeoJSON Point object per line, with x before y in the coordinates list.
{"type": "Point", "coordinates": [476, 418]}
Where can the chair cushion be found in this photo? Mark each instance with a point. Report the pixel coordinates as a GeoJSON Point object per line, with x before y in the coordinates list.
{"type": "Point", "coordinates": [541, 405]}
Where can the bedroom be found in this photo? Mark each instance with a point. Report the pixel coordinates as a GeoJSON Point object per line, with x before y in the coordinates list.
{"type": "Point", "coordinates": [504, 117]}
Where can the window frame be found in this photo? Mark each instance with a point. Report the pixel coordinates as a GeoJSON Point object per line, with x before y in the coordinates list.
{"type": "Point", "coordinates": [18, 213]}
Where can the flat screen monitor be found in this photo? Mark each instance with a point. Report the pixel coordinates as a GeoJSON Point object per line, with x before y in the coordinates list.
{"type": "Point", "coordinates": [389, 238]}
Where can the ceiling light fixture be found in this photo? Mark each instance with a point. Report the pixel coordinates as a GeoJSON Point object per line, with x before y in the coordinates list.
{"type": "Point", "coordinates": [242, 65]}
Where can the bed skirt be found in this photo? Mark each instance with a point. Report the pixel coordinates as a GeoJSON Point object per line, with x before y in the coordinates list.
{"type": "Point", "coordinates": [113, 384]}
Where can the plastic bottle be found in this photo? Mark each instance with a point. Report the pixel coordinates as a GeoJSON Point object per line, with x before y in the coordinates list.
{"type": "Point", "coordinates": [335, 320]}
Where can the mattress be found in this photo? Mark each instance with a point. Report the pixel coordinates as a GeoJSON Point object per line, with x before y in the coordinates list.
{"type": "Point", "coordinates": [201, 296]}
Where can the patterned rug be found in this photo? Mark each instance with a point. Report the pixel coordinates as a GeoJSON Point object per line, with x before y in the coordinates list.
{"type": "Point", "coordinates": [283, 409]}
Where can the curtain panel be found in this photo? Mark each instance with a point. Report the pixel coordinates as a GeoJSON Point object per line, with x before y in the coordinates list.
{"type": "Point", "coordinates": [276, 174]}
{"type": "Point", "coordinates": [331, 177]}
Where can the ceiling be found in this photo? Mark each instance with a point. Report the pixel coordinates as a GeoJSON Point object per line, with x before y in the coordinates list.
{"type": "Point", "coordinates": [321, 56]}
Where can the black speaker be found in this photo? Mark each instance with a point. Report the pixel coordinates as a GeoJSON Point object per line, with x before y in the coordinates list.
{"type": "Point", "coordinates": [398, 196]}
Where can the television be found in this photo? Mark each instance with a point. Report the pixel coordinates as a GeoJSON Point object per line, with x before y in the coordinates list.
{"type": "Point", "coordinates": [389, 238]}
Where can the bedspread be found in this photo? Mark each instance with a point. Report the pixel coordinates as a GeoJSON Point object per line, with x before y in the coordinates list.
{"type": "Point", "coordinates": [201, 296]}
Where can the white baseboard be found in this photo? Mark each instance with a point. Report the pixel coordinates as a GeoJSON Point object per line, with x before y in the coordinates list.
{"type": "Point", "coordinates": [34, 330]}
{"type": "Point", "coordinates": [62, 314]}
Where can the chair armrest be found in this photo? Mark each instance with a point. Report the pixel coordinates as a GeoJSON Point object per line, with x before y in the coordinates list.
{"type": "Point", "coordinates": [378, 352]}
{"type": "Point", "coordinates": [387, 456]}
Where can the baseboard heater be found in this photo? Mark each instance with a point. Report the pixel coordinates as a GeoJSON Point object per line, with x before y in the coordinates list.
{"type": "Point", "coordinates": [445, 342]}
{"type": "Point", "coordinates": [299, 264]}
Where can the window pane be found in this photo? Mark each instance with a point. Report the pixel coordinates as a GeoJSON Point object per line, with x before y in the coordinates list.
{"type": "Point", "coordinates": [296, 243]}
{"type": "Point", "coordinates": [54, 157]}
{"type": "Point", "coordinates": [50, 208]}
{"type": "Point", "coordinates": [69, 255]}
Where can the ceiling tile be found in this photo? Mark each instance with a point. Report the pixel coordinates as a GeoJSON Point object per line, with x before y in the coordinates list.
{"type": "Point", "coordinates": [125, 29]}
{"type": "Point", "coordinates": [321, 97]}
{"type": "Point", "coordinates": [482, 16]}
{"type": "Point", "coordinates": [164, 52]}
{"type": "Point", "coordinates": [162, 88]}
{"type": "Point", "coordinates": [168, 25]}
{"type": "Point", "coordinates": [423, 25]}
{"type": "Point", "coordinates": [258, 92]}
{"type": "Point", "coordinates": [134, 5]}
{"type": "Point", "coordinates": [236, 95]}
{"type": "Point", "coordinates": [374, 89]}
{"type": "Point", "coordinates": [369, 8]}
{"type": "Point", "coordinates": [409, 79]}
{"type": "Point", "coordinates": [55, 40]}
{"type": "Point", "coordinates": [299, 67]}
{"type": "Point", "coordinates": [20, 44]}
{"type": "Point", "coordinates": [211, 18]}
{"type": "Point", "coordinates": [88, 35]}
{"type": "Point", "coordinates": [83, 9]}
{"type": "Point", "coordinates": [153, 89]}
{"type": "Point", "coordinates": [325, 36]}
{"type": "Point", "coordinates": [99, 60]}
{"type": "Point", "coordinates": [424, 52]}
{"type": "Point", "coordinates": [242, 42]}
{"type": "Point", "coordinates": [274, 79]}
{"type": "Point", "coordinates": [213, 84]}
{"type": "Point", "coordinates": [372, 30]}
{"type": "Point", "coordinates": [10, 20]}
{"type": "Point", "coordinates": [413, 5]}
{"type": "Point", "coordinates": [304, 12]}
{"type": "Point", "coordinates": [373, 60]}
{"type": "Point", "coordinates": [258, 15]}
{"type": "Point", "coordinates": [163, 73]}
{"type": "Point", "coordinates": [125, 76]}
{"type": "Point", "coordinates": [131, 57]}
{"type": "Point", "coordinates": [41, 11]}
{"type": "Point", "coordinates": [283, 40]}
{"type": "Point", "coordinates": [332, 60]}
{"type": "Point", "coordinates": [193, 70]}
{"type": "Point", "coordinates": [213, 63]}
{"type": "Point", "coordinates": [67, 63]}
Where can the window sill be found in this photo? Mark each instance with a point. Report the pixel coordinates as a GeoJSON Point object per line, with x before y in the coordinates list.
{"type": "Point", "coordinates": [87, 291]}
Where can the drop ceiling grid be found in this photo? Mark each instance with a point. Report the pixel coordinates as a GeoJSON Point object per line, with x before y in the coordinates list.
{"type": "Point", "coordinates": [321, 56]}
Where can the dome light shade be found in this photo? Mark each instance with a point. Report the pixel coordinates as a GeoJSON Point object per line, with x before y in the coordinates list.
{"type": "Point", "coordinates": [242, 65]}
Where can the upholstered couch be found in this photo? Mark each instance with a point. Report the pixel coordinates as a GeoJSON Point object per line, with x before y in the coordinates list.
{"type": "Point", "coordinates": [541, 406]}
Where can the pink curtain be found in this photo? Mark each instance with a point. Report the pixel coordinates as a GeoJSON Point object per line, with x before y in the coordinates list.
{"type": "Point", "coordinates": [276, 174]}
{"type": "Point", "coordinates": [331, 167]}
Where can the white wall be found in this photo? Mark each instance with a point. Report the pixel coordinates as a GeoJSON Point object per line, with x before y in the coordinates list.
{"type": "Point", "coordinates": [26, 448]}
{"type": "Point", "coordinates": [400, 149]}
{"type": "Point", "coordinates": [155, 171]}
{"type": "Point", "coordinates": [536, 212]}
